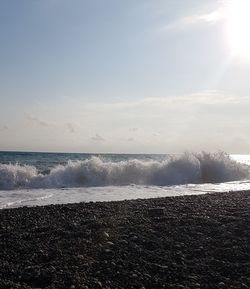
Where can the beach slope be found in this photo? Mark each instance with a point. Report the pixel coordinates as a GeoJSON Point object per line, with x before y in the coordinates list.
{"type": "Point", "coordinates": [198, 241]}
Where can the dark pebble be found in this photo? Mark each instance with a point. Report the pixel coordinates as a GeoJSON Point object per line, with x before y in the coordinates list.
{"type": "Point", "coordinates": [183, 242]}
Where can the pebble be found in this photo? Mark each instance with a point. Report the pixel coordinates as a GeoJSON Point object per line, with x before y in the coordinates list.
{"type": "Point", "coordinates": [105, 234]}
{"type": "Point", "coordinates": [156, 211]}
{"type": "Point", "coordinates": [144, 254]}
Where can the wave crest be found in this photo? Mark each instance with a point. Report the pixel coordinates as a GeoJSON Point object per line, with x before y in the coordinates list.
{"type": "Point", "coordinates": [174, 170]}
{"type": "Point", "coordinates": [16, 176]}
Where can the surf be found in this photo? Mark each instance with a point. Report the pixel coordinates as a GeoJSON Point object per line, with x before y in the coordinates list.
{"type": "Point", "coordinates": [188, 168]}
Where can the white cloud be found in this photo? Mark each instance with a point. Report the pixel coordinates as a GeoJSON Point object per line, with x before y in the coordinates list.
{"type": "Point", "coordinates": [134, 129]}
{"type": "Point", "coordinates": [4, 128]}
{"type": "Point", "coordinates": [70, 127]}
{"type": "Point", "coordinates": [191, 20]}
{"type": "Point", "coordinates": [208, 120]}
{"type": "Point", "coordinates": [38, 121]}
{"type": "Point", "coordinates": [97, 138]}
{"type": "Point", "coordinates": [130, 139]}
{"type": "Point", "coordinates": [174, 123]}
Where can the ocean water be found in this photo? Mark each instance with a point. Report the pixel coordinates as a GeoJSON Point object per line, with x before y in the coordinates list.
{"type": "Point", "coordinates": [30, 179]}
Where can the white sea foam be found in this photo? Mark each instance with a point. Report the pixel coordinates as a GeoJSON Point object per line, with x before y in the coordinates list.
{"type": "Point", "coordinates": [185, 169]}
{"type": "Point", "coordinates": [16, 176]}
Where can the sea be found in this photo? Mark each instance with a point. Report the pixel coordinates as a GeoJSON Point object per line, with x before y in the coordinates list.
{"type": "Point", "coordinates": [37, 179]}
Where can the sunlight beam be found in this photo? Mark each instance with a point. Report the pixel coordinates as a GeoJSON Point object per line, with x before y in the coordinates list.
{"type": "Point", "coordinates": [238, 23]}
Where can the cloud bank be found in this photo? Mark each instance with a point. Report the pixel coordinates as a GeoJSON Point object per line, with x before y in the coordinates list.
{"type": "Point", "coordinates": [210, 120]}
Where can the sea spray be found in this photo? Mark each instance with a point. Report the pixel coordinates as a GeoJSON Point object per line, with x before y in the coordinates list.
{"type": "Point", "coordinates": [187, 168]}
{"type": "Point", "coordinates": [16, 176]}
{"type": "Point", "coordinates": [219, 167]}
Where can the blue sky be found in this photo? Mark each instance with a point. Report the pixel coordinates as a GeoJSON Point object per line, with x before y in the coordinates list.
{"type": "Point", "coordinates": [120, 76]}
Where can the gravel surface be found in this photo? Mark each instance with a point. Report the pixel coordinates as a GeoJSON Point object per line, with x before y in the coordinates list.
{"type": "Point", "coordinates": [180, 242]}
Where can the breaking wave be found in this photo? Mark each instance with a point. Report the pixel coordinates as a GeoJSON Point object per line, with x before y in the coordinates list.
{"type": "Point", "coordinates": [96, 171]}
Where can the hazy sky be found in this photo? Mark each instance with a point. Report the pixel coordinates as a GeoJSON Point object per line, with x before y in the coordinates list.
{"type": "Point", "coordinates": [134, 76]}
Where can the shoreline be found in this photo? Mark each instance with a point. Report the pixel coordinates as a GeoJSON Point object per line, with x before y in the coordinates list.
{"type": "Point", "coordinates": [197, 241]}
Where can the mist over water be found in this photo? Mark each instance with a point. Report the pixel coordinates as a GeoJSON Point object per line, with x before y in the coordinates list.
{"type": "Point", "coordinates": [122, 170]}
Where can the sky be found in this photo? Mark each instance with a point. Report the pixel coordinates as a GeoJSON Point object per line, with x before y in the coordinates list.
{"type": "Point", "coordinates": [113, 76]}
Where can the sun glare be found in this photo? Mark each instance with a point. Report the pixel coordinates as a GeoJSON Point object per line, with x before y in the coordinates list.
{"type": "Point", "coordinates": [238, 18]}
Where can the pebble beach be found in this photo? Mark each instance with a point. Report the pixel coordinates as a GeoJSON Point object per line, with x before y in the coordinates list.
{"type": "Point", "coordinates": [181, 242]}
